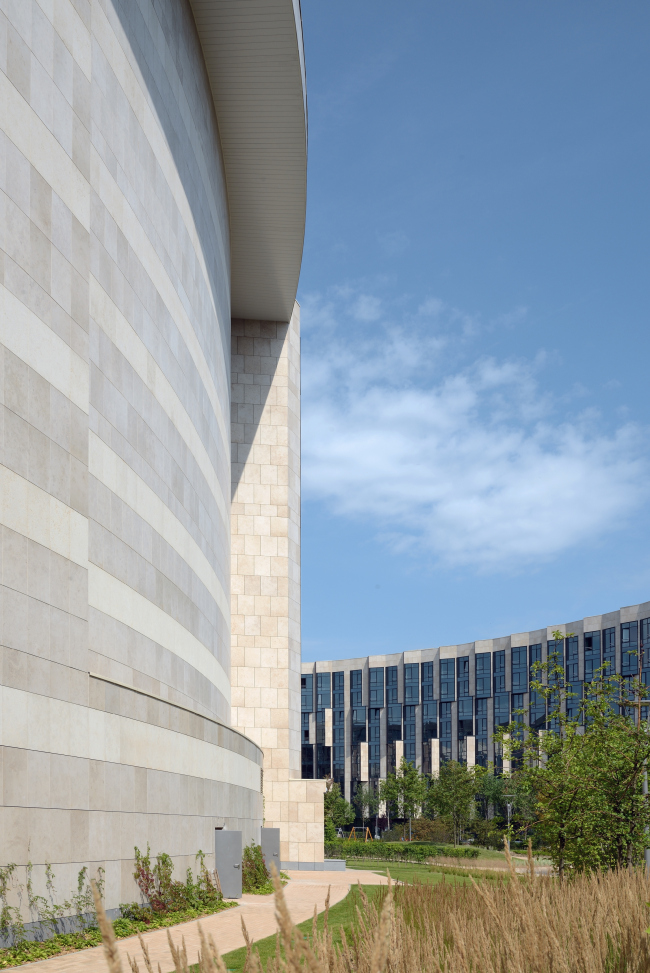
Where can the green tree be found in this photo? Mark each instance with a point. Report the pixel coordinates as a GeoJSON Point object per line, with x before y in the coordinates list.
{"type": "Point", "coordinates": [404, 791]}
{"type": "Point", "coordinates": [452, 793]}
{"type": "Point", "coordinates": [585, 774]}
{"type": "Point", "coordinates": [337, 811]}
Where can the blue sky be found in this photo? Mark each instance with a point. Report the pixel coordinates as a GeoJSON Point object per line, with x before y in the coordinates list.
{"type": "Point", "coordinates": [475, 300]}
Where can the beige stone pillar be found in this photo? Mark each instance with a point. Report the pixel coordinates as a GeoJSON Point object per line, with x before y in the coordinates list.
{"type": "Point", "coordinates": [265, 580]}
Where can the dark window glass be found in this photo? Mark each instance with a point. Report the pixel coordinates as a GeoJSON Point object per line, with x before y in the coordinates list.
{"type": "Point", "coordinates": [609, 650]}
{"type": "Point", "coordinates": [304, 727]}
{"type": "Point", "coordinates": [517, 703]}
{"type": "Point", "coordinates": [355, 687]}
{"type": "Point", "coordinates": [391, 684]}
{"type": "Point", "coordinates": [308, 763]}
{"type": "Point", "coordinates": [462, 675]}
{"type": "Point", "coordinates": [483, 662]}
{"type": "Point", "coordinates": [376, 680]}
{"type": "Point", "coordinates": [307, 694]}
{"type": "Point", "coordinates": [571, 666]}
{"type": "Point", "coordinates": [323, 762]}
{"type": "Point", "coordinates": [629, 649]}
{"type": "Point", "coordinates": [444, 724]}
{"type": "Point", "coordinates": [534, 656]}
{"type": "Point", "coordinates": [481, 718]}
{"type": "Point", "coordinates": [409, 723]}
{"type": "Point", "coordinates": [519, 669]}
{"type": "Point", "coordinates": [573, 701]}
{"type": "Point", "coordinates": [499, 671]}
{"type": "Point", "coordinates": [338, 735]}
{"type": "Point", "coordinates": [412, 682]}
{"type": "Point", "coordinates": [501, 709]}
{"type": "Point", "coordinates": [358, 725]}
{"type": "Point", "coordinates": [427, 670]}
{"type": "Point", "coordinates": [394, 723]}
{"type": "Point", "coordinates": [465, 718]}
{"type": "Point", "coordinates": [592, 654]}
{"type": "Point", "coordinates": [445, 751]}
{"type": "Point", "coordinates": [338, 766]}
{"type": "Point", "coordinates": [447, 678]}
{"type": "Point", "coordinates": [645, 642]}
{"type": "Point", "coordinates": [323, 693]}
{"type": "Point", "coordinates": [537, 711]}
{"type": "Point", "coordinates": [409, 751]}
{"type": "Point", "coordinates": [429, 721]}
{"type": "Point", "coordinates": [482, 751]}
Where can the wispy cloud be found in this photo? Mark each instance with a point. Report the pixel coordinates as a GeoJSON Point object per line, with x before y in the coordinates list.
{"type": "Point", "coordinates": [467, 458]}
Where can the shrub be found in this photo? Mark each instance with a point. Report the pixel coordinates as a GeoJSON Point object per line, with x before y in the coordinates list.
{"type": "Point", "coordinates": [397, 851]}
{"type": "Point", "coordinates": [254, 873]}
{"type": "Point", "coordinates": [162, 894]}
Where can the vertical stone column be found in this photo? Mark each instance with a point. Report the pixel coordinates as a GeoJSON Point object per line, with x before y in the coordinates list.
{"type": "Point", "coordinates": [265, 581]}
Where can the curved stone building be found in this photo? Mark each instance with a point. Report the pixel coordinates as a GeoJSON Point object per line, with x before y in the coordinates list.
{"type": "Point", "coordinates": [361, 716]}
{"type": "Point", "coordinates": [152, 193]}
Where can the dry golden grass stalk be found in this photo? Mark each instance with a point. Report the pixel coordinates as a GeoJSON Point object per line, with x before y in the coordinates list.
{"type": "Point", "coordinates": [531, 862]}
{"type": "Point", "coordinates": [108, 936]}
{"type": "Point", "coordinates": [179, 956]}
{"type": "Point", "coordinates": [210, 960]}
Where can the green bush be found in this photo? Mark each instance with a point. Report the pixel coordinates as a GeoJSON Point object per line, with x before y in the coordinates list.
{"type": "Point", "coordinates": [255, 876]}
{"type": "Point", "coordinates": [395, 851]}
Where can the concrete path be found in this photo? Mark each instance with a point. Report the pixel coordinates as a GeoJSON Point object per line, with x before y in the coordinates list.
{"type": "Point", "coordinates": [304, 891]}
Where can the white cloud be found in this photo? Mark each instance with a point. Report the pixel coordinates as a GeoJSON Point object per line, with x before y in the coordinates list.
{"type": "Point", "coordinates": [471, 462]}
{"type": "Point", "coordinates": [366, 308]}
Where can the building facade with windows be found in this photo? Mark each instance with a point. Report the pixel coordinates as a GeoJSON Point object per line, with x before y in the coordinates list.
{"type": "Point", "coordinates": [361, 716]}
{"type": "Point", "coordinates": [153, 161]}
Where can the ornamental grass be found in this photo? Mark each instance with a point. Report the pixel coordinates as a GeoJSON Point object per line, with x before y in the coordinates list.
{"type": "Point", "coordinates": [594, 923]}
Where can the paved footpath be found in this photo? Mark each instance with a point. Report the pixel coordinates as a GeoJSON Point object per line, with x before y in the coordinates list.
{"type": "Point", "coordinates": [304, 891]}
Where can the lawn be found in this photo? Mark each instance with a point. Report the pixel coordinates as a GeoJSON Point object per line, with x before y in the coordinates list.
{"type": "Point", "coordinates": [341, 915]}
{"type": "Point", "coordinates": [407, 872]}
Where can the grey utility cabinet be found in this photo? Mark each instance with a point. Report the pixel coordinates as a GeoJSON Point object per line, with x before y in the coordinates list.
{"type": "Point", "coordinates": [227, 860]}
{"type": "Point", "coordinates": [271, 847]}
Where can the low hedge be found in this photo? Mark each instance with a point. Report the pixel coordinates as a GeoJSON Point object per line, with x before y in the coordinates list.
{"type": "Point", "coordinates": [395, 851]}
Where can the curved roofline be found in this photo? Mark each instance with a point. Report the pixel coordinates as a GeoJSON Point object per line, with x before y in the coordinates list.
{"type": "Point", "coordinates": [254, 56]}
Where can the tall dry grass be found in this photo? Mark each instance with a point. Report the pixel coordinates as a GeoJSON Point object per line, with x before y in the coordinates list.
{"type": "Point", "coordinates": [592, 924]}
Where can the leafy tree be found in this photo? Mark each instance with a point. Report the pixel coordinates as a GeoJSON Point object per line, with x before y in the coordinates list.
{"type": "Point", "coordinates": [337, 811]}
{"type": "Point", "coordinates": [366, 800]}
{"type": "Point", "coordinates": [404, 791]}
{"type": "Point", "coordinates": [452, 793]}
{"type": "Point", "coordinates": [585, 774]}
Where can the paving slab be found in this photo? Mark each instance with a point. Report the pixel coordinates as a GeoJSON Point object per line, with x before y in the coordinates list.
{"type": "Point", "coordinates": [304, 891]}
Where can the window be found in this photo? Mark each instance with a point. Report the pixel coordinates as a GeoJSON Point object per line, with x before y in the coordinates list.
{"type": "Point", "coordinates": [323, 694]}
{"type": "Point", "coordinates": [338, 766]}
{"type": "Point", "coordinates": [483, 663]}
{"type": "Point", "coordinates": [501, 710]}
{"type": "Point", "coordinates": [592, 654]}
{"type": "Point", "coordinates": [465, 718]}
{"type": "Point", "coordinates": [394, 724]}
{"type": "Point", "coordinates": [374, 730]}
{"type": "Point", "coordinates": [499, 673]}
{"type": "Point", "coordinates": [645, 642]}
{"type": "Point", "coordinates": [462, 672]}
{"type": "Point", "coordinates": [338, 690]}
{"type": "Point", "coordinates": [572, 672]}
{"type": "Point", "coordinates": [411, 682]}
{"type": "Point", "coordinates": [429, 721]}
{"type": "Point", "coordinates": [573, 701]}
{"type": "Point", "coordinates": [517, 705]}
{"type": "Point", "coordinates": [555, 656]}
{"type": "Point", "coordinates": [323, 762]}
{"type": "Point", "coordinates": [307, 694]}
{"type": "Point", "coordinates": [609, 650]}
{"type": "Point", "coordinates": [307, 763]}
{"type": "Point", "coordinates": [629, 649]}
{"type": "Point", "coordinates": [376, 680]}
{"type": "Point", "coordinates": [355, 687]}
{"type": "Point", "coordinates": [304, 727]}
{"type": "Point", "coordinates": [409, 734]}
{"type": "Point", "coordinates": [320, 726]}
{"type": "Point", "coordinates": [358, 725]}
{"type": "Point", "coordinates": [519, 669]}
{"type": "Point", "coordinates": [481, 732]}
{"type": "Point", "coordinates": [447, 678]}
{"type": "Point", "coordinates": [445, 731]}
{"type": "Point", "coordinates": [427, 681]}
{"type": "Point", "coordinates": [391, 684]}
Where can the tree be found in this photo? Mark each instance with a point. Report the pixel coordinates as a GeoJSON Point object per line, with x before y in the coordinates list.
{"type": "Point", "coordinates": [404, 791]}
{"type": "Point", "coordinates": [586, 773]}
{"type": "Point", "coordinates": [452, 793]}
{"type": "Point", "coordinates": [337, 811]}
{"type": "Point", "coordinates": [366, 800]}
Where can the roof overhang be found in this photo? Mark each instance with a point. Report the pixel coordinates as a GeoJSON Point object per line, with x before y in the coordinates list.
{"type": "Point", "coordinates": [254, 57]}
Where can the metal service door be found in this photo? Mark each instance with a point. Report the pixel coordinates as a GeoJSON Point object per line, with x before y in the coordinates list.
{"type": "Point", "coordinates": [227, 860]}
{"type": "Point", "coordinates": [271, 847]}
